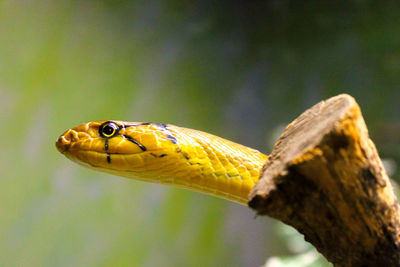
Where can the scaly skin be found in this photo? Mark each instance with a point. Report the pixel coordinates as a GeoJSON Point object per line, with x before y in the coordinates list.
{"type": "Point", "coordinates": [165, 154]}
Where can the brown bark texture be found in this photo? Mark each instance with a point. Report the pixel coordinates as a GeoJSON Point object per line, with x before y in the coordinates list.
{"type": "Point", "coordinates": [325, 178]}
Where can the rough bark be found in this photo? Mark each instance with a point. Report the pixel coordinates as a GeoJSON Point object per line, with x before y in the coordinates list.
{"type": "Point", "coordinates": [325, 178]}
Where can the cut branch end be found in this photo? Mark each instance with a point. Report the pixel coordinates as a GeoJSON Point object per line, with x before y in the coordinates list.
{"type": "Point", "coordinates": [325, 178]}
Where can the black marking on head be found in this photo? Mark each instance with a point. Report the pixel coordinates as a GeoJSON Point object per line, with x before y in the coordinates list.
{"type": "Point", "coordinates": [108, 158]}
{"type": "Point", "coordinates": [178, 150]}
{"type": "Point", "coordinates": [158, 156]}
{"type": "Point", "coordinates": [186, 156]}
{"type": "Point", "coordinates": [161, 125]}
{"type": "Point", "coordinates": [142, 147]}
{"type": "Point", "coordinates": [139, 124]}
{"type": "Point", "coordinates": [106, 145]}
{"type": "Point", "coordinates": [129, 125]}
{"type": "Point", "coordinates": [172, 139]}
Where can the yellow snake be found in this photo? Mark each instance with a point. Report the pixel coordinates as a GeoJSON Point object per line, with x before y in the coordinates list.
{"type": "Point", "coordinates": [166, 154]}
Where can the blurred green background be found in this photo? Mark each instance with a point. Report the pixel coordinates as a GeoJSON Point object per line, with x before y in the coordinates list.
{"type": "Point", "coordinates": [238, 69]}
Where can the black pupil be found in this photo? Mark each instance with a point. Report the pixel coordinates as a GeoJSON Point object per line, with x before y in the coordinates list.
{"type": "Point", "coordinates": [108, 129]}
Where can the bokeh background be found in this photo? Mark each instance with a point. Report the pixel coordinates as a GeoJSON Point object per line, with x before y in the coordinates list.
{"type": "Point", "coordinates": [238, 69]}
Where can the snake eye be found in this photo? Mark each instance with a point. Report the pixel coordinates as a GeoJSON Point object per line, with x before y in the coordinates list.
{"type": "Point", "coordinates": [108, 129]}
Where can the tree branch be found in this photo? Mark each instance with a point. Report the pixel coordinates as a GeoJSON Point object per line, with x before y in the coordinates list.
{"type": "Point", "coordinates": [325, 178]}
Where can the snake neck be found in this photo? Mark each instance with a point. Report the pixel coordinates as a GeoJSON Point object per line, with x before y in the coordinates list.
{"type": "Point", "coordinates": [213, 165]}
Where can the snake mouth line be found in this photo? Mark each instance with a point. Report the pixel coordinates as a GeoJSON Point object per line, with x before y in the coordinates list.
{"type": "Point", "coordinates": [75, 151]}
{"type": "Point", "coordinates": [96, 157]}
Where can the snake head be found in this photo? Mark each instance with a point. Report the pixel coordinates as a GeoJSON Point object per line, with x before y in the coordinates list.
{"type": "Point", "coordinates": [165, 154]}
{"type": "Point", "coordinates": [117, 145]}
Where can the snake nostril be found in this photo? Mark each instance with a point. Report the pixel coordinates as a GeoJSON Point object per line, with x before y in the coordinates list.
{"type": "Point", "coordinates": [71, 136]}
{"type": "Point", "coordinates": [64, 141]}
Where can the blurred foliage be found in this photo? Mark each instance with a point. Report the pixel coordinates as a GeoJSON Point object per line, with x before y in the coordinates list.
{"type": "Point", "coordinates": [240, 69]}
